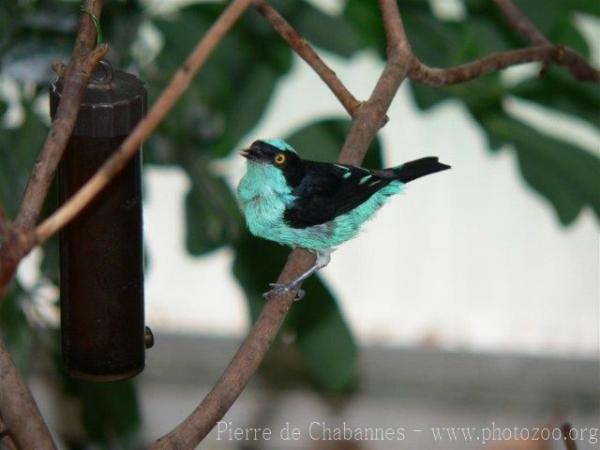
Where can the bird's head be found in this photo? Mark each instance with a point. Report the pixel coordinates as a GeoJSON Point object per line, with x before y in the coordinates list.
{"type": "Point", "coordinates": [278, 154]}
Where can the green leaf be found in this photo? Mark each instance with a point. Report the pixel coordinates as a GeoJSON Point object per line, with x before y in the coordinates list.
{"type": "Point", "coordinates": [436, 43]}
{"type": "Point", "coordinates": [257, 263]}
{"type": "Point", "coordinates": [483, 33]}
{"type": "Point", "coordinates": [329, 33]}
{"type": "Point", "coordinates": [323, 140]}
{"type": "Point", "coordinates": [544, 18]}
{"type": "Point", "coordinates": [50, 261]}
{"type": "Point", "coordinates": [18, 150]}
{"type": "Point", "coordinates": [14, 328]}
{"type": "Point", "coordinates": [446, 44]}
{"type": "Point", "coordinates": [567, 34]}
{"type": "Point", "coordinates": [251, 100]}
{"type": "Point", "coordinates": [322, 335]}
{"type": "Point", "coordinates": [109, 411]}
{"type": "Point", "coordinates": [233, 88]}
{"type": "Point", "coordinates": [212, 215]}
{"type": "Point", "coordinates": [586, 6]}
{"type": "Point", "coordinates": [563, 173]}
{"type": "Point", "coordinates": [364, 15]}
{"type": "Point", "coordinates": [48, 18]}
{"type": "Point", "coordinates": [120, 23]}
{"type": "Point", "coordinates": [29, 60]}
{"type": "Point", "coordinates": [481, 95]}
{"type": "Point", "coordinates": [558, 90]}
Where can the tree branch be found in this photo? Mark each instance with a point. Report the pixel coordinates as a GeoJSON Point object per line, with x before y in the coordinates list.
{"type": "Point", "coordinates": [77, 74]}
{"type": "Point", "coordinates": [18, 409]}
{"type": "Point", "coordinates": [371, 116]}
{"type": "Point", "coordinates": [17, 402]}
{"type": "Point", "coordinates": [159, 110]}
{"type": "Point", "coordinates": [367, 120]}
{"type": "Point", "coordinates": [398, 46]}
{"type": "Point", "coordinates": [15, 245]}
{"type": "Point", "coordinates": [305, 51]}
{"type": "Point", "coordinates": [517, 19]}
{"type": "Point", "coordinates": [497, 61]}
{"type": "Point", "coordinates": [543, 51]}
{"type": "Point", "coordinates": [5, 438]}
{"type": "Point", "coordinates": [570, 59]}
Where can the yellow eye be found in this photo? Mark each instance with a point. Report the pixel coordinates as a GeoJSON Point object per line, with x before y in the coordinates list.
{"type": "Point", "coordinates": [279, 159]}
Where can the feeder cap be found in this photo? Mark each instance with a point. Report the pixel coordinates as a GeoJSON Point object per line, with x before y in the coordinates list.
{"type": "Point", "coordinates": [113, 103]}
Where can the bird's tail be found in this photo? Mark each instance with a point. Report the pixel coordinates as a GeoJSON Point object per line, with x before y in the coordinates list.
{"type": "Point", "coordinates": [414, 169]}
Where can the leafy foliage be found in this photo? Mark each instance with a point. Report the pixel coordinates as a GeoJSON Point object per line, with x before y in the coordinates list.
{"type": "Point", "coordinates": [564, 174]}
{"type": "Point", "coordinates": [109, 411]}
{"type": "Point", "coordinates": [212, 216]}
{"type": "Point", "coordinates": [18, 150]}
{"type": "Point", "coordinates": [227, 100]}
{"type": "Point", "coordinates": [548, 165]}
{"type": "Point", "coordinates": [14, 328]}
{"type": "Point", "coordinates": [321, 141]}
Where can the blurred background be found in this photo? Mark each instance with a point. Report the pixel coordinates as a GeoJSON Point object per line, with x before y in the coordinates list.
{"type": "Point", "coordinates": [470, 301]}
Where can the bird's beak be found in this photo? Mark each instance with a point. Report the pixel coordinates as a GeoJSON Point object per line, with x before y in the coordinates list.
{"type": "Point", "coordinates": [253, 154]}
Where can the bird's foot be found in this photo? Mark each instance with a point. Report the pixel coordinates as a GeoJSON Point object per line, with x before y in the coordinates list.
{"type": "Point", "coordinates": [283, 289]}
{"type": "Point", "coordinates": [323, 258]}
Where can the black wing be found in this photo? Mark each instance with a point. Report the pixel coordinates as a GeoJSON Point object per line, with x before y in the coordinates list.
{"type": "Point", "coordinates": [329, 190]}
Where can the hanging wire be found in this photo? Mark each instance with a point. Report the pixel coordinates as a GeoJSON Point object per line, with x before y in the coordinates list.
{"type": "Point", "coordinates": [96, 24]}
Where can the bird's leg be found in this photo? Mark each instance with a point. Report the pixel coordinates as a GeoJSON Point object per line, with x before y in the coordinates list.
{"type": "Point", "coordinates": [323, 258]}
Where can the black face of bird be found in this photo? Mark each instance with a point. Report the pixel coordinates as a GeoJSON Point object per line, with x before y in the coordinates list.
{"type": "Point", "coordinates": [287, 161]}
{"type": "Point", "coordinates": [258, 154]}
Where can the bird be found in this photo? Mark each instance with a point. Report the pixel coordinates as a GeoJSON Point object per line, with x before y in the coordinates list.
{"type": "Point", "coordinates": [315, 205]}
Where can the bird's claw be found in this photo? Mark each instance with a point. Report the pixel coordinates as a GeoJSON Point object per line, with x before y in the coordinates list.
{"type": "Point", "coordinates": [283, 289]}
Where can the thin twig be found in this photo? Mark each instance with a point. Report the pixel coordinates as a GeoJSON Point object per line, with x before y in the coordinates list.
{"type": "Point", "coordinates": [247, 359]}
{"type": "Point", "coordinates": [18, 409]}
{"type": "Point", "coordinates": [305, 51]}
{"type": "Point", "coordinates": [569, 59]}
{"type": "Point", "coordinates": [59, 68]}
{"type": "Point", "coordinates": [576, 64]}
{"type": "Point", "coordinates": [16, 243]}
{"type": "Point", "coordinates": [517, 19]}
{"type": "Point", "coordinates": [77, 74]}
{"type": "Point", "coordinates": [370, 117]}
{"type": "Point", "coordinates": [159, 110]}
{"type": "Point", "coordinates": [423, 74]}
{"type": "Point", "coordinates": [398, 46]}
{"type": "Point", "coordinates": [570, 443]}
{"type": "Point", "coordinates": [17, 401]}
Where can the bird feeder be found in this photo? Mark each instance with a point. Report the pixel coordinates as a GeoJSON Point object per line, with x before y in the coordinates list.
{"type": "Point", "coordinates": [101, 250]}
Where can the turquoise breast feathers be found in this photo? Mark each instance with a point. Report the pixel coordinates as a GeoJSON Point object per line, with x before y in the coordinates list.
{"type": "Point", "coordinates": [315, 205]}
{"type": "Point", "coordinates": [265, 194]}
